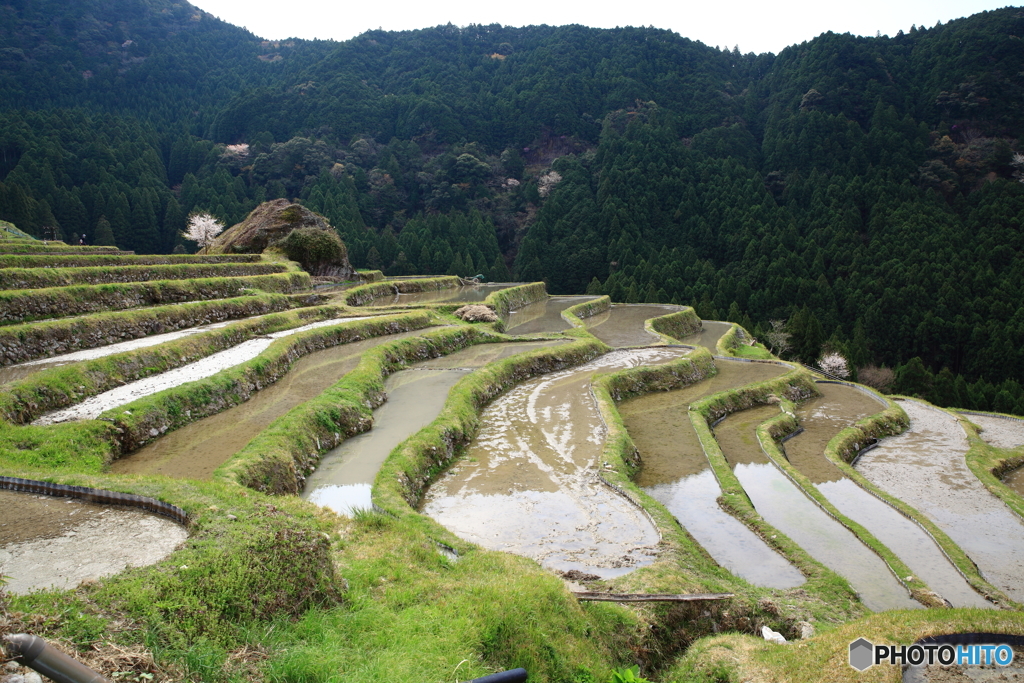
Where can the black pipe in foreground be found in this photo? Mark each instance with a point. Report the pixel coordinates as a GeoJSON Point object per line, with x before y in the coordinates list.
{"type": "Point", "coordinates": [32, 651]}
{"type": "Point", "coordinates": [513, 676]}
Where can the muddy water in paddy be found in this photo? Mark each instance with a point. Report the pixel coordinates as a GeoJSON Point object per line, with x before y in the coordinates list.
{"type": "Point", "coordinates": [543, 316]}
{"type": "Point", "coordinates": [1000, 432]}
{"type": "Point", "coordinates": [925, 467]}
{"type": "Point", "coordinates": [623, 324]}
{"type": "Point", "coordinates": [1015, 480]}
{"type": "Point", "coordinates": [1005, 433]}
{"type": "Point", "coordinates": [528, 483]}
{"type": "Point", "coordinates": [785, 507]}
{"type": "Point", "coordinates": [416, 396]}
{"type": "Point", "coordinates": [197, 449]}
{"type": "Point", "coordinates": [95, 406]}
{"type": "Point", "coordinates": [823, 418]}
{"type": "Point", "coordinates": [711, 332]}
{"type": "Point", "coordinates": [450, 295]}
{"type": "Point", "coordinates": [59, 542]}
{"type": "Point", "coordinates": [676, 472]}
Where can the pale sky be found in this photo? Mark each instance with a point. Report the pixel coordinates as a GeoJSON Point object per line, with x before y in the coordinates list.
{"type": "Point", "coordinates": [756, 26]}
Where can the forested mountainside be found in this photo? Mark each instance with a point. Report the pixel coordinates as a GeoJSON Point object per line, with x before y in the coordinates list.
{"type": "Point", "coordinates": [866, 190]}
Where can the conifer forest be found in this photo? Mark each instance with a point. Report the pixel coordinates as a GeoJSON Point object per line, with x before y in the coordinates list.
{"type": "Point", "coordinates": [867, 191]}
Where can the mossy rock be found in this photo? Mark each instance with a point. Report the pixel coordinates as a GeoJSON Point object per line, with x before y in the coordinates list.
{"type": "Point", "coordinates": [268, 223]}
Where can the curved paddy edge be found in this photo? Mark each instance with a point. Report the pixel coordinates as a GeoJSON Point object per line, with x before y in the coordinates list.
{"type": "Point", "coordinates": [794, 385]}
{"type": "Point", "coordinates": [414, 465]}
{"type": "Point", "coordinates": [279, 458]}
{"type": "Point", "coordinates": [89, 444]}
{"type": "Point", "coordinates": [989, 463]}
{"type": "Point", "coordinates": [843, 450]}
{"type": "Point", "coordinates": [769, 434]}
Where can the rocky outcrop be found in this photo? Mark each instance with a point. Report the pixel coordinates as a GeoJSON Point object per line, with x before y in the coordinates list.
{"type": "Point", "coordinates": [266, 224]}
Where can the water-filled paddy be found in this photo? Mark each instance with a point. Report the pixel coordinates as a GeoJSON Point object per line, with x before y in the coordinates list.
{"type": "Point", "coordinates": [823, 418]}
{"type": "Point", "coordinates": [416, 396]}
{"type": "Point", "coordinates": [623, 324]}
{"type": "Point", "coordinates": [1007, 433]}
{"type": "Point", "coordinates": [711, 332]}
{"type": "Point", "coordinates": [59, 542]}
{"type": "Point", "coordinates": [676, 472]}
{"type": "Point", "coordinates": [1015, 480]}
{"type": "Point", "coordinates": [466, 294]}
{"type": "Point", "coordinates": [1000, 432]}
{"type": "Point", "coordinates": [93, 407]}
{"type": "Point", "coordinates": [925, 467]}
{"type": "Point", "coordinates": [542, 316]}
{"type": "Point", "coordinates": [785, 507]}
{"type": "Point", "coordinates": [529, 484]}
{"type": "Point", "coordinates": [199, 448]}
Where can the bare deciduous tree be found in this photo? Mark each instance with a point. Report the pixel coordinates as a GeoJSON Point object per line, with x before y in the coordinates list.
{"type": "Point", "coordinates": [778, 338]}
{"type": "Point", "coordinates": [877, 378]}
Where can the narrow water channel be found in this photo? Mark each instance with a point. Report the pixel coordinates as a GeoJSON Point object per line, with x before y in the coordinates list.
{"type": "Point", "coordinates": [543, 316]}
{"type": "Point", "coordinates": [529, 483]}
{"type": "Point", "coordinates": [623, 324]}
{"type": "Point", "coordinates": [416, 396]}
{"type": "Point", "coordinates": [93, 407]}
{"type": "Point", "coordinates": [676, 473]}
{"type": "Point", "coordinates": [711, 332]}
{"type": "Point", "coordinates": [925, 467]}
{"type": "Point", "coordinates": [199, 448]}
{"type": "Point", "coordinates": [823, 418]}
{"type": "Point", "coordinates": [785, 507]}
{"type": "Point", "coordinates": [1015, 481]}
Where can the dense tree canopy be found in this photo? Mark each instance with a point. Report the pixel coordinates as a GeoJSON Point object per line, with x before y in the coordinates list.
{"type": "Point", "coordinates": [862, 189]}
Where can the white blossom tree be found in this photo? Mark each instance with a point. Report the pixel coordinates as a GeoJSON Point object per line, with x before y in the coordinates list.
{"type": "Point", "coordinates": [547, 182]}
{"type": "Point", "coordinates": [1018, 163]}
{"type": "Point", "coordinates": [202, 229]}
{"type": "Point", "coordinates": [834, 364]}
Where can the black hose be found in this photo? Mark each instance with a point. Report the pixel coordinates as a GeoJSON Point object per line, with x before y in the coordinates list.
{"type": "Point", "coordinates": [32, 651]}
{"type": "Point", "coordinates": [513, 676]}
{"type": "Point", "coordinates": [92, 495]}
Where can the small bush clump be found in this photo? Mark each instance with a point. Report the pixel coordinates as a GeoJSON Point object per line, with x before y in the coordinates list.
{"type": "Point", "coordinates": [318, 251]}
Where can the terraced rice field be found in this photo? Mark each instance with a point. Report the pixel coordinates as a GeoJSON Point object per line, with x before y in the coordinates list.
{"type": "Point", "coordinates": [489, 440]}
